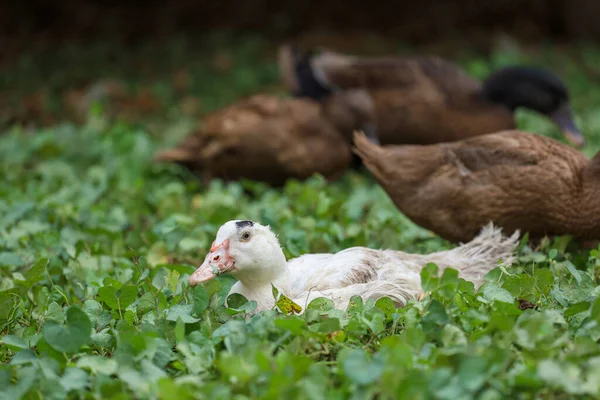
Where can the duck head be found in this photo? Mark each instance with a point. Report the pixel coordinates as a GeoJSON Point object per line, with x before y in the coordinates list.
{"type": "Point", "coordinates": [247, 250]}
{"type": "Point", "coordinates": [537, 89]}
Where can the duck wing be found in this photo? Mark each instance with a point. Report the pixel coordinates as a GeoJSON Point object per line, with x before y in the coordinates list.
{"type": "Point", "coordinates": [328, 271]}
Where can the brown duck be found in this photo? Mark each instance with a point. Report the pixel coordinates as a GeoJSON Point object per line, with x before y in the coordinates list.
{"type": "Point", "coordinates": [517, 180]}
{"type": "Point", "coordinates": [264, 138]}
{"type": "Point", "coordinates": [422, 100]}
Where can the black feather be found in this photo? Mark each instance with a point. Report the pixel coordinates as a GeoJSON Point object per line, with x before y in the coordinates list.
{"type": "Point", "coordinates": [243, 224]}
{"type": "Point", "coordinates": [309, 85]}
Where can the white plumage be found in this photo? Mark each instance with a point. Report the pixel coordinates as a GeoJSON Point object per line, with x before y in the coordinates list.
{"type": "Point", "coordinates": [251, 252]}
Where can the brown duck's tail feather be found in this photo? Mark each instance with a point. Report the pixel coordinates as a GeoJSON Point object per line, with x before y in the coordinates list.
{"type": "Point", "coordinates": [176, 154]}
{"type": "Point", "coordinates": [186, 151]}
{"type": "Point", "coordinates": [369, 152]}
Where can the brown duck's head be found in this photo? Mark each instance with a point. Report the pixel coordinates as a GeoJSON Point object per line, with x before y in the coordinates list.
{"type": "Point", "coordinates": [537, 89]}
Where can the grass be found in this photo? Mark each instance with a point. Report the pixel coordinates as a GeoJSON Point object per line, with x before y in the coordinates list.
{"type": "Point", "coordinates": [96, 244]}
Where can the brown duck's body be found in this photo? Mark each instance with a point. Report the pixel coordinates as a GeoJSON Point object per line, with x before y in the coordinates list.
{"type": "Point", "coordinates": [414, 100]}
{"type": "Point", "coordinates": [419, 100]}
{"type": "Point", "coordinates": [515, 179]}
{"type": "Point", "coordinates": [264, 138]}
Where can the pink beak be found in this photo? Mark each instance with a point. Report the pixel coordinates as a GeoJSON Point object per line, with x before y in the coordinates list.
{"type": "Point", "coordinates": [217, 262]}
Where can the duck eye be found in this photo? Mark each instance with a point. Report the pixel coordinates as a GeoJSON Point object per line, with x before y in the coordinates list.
{"type": "Point", "coordinates": [245, 237]}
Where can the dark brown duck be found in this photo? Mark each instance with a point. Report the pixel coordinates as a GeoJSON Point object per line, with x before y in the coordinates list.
{"type": "Point", "coordinates": [423, 100]}
{"type": "Point", "coordinates": [515, 179]}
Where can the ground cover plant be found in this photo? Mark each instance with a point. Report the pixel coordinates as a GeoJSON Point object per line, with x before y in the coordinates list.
{"type": "Point", "coordinates": [96, 243]}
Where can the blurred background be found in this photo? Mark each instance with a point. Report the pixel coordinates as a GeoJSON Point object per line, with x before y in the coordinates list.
{"type": "Point", "coordinates": [172, 62]}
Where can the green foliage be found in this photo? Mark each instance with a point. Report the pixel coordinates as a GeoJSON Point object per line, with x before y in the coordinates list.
{"type": "Point", "coordinates": [73, 335]}
{"type": "Point", "coordinates": [97, 244]}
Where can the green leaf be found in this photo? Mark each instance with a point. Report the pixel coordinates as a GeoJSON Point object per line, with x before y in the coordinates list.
{"type": "Point", "coordinates": [327, 326]}
{"type": "Point", "coordinates": [448, 285]}
{"type": "Point", "coordinates": [274, 291]}
{"type": "Point", "coordinates": [126, 295]}
{"type": "Point", "coordinates": [571, 268]}
{"type": "Point", "coordinates": [14, 342]}
{"type": "Point", "coordinates": [74, 379]}
{"type": "Point", "coordinates": [430, 277]}
{"type": "Point", "coordinates": [201, 299]}
{"type": "Point", "coordinates": [321, 304]}
{"type": "Point", "coordinates": [522, 286]}
{"type": "Point", "coordinates": [386, 305]}
{"type": "Point", "coordinates": [182, 311]}
{"type": "Point", "coordinates": [493, 292]}
{"type": "Point", "coordinates": [171, 280]}
{"type": "Point", "coordinates": [70, 337]}
{"type": "Point", "coordinates": [180, 330]}
{"type": "Point", "coordinates": [129, 316]}
{"type": "Point", "coordinates": [55, 312]}
{"type": "Point", "coordinates": [453, 336]}
{"type": "Point", "coordinates": [108, 295]}
{"type": "Point", "coordinates": [581, 307]}
{"type": "Point", "coordinates": [236, 300]}
{"type": "Point", "coordinates": [158, 254]}
{"type": "Point", "coordinates": [355, 305]}
{"type": "Point", "coordinates": [359, 368]}
{"type": "Point", "coordinates": [169, 390]}
{"type": "Point", "coordinates": [555, 375]}
{"type": "Point", "coordinates": [145, 303]}
{"type": "Point", "coordinates": [33, 274]}
{"type": "Point", "coordinates": [98, 364]}
{"type": "Point", "coordinates": [293, 324]}
{"type": "Point", "coordinates": [544, 280]}
{"type": "Point", "coordinates": [595, 313]}
{"type": "Point", "coordinates": [26, 356]}
{"type": "Point", "coordinates": [436, 317]}
{"type": "Point", "coordinates": [212, 287]}
{"type": "Point", "coordinates": [11, 260]}
{"type": "Point", "coordinates": [118, 298]}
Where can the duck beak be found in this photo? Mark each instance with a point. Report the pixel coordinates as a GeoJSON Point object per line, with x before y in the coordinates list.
{"type": "Point", "coordinates": [217, 262]}
{"type": "Point", "coordinates": [563, 117]}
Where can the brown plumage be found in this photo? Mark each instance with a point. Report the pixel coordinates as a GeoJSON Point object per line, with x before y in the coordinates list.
{"type": "Point", "coordinates": [264, 138]}
{"type": "Point", "coordinates": [422, 100]}
{"type": "Point", "coordinates": [515, 179]}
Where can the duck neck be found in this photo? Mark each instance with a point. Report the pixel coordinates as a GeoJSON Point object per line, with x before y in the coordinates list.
{"type": "Point", "coordinates": [265, 274]}
{"type": "Point", "coordinates": [310, 83]}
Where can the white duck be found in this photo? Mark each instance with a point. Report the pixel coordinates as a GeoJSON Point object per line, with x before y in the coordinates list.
{"type": "Point", "coordinates": [252, 254]}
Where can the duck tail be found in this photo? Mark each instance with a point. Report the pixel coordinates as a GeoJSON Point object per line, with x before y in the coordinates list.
{"type": "Point", "coordinates": [485, 252]}
{"type": "Point", "coordinates": [369, 152]}
{"type": "Point", "coordinates": [298, 75]}
{"type": "Point", "coordinates": [400, 290]}
{"type": "Point", "coordinates": [176, 154]}
{"type": "Point", "coordinates": [185, 152]}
